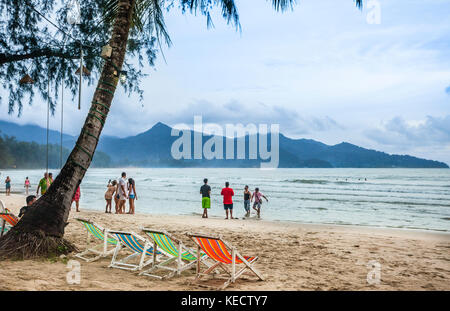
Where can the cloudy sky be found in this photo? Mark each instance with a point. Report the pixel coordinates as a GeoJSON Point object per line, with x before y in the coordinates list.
{"type": "Point", "coordinates": [324, 71]}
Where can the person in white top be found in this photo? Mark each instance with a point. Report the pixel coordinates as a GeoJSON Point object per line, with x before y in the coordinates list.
{"type": "Point", "coordinates": [123, 193]}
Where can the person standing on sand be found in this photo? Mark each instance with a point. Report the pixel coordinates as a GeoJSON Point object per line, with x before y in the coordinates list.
{"type": "Point", "coordinates": [116, 198]}
{"type": "Point", "coordinates": [50, 179]}
{"type": "Point", "coordinates": [205, 191]}
{"type": "Point", "coordinates": [26, 185]}
{"type": "Point", "coordinates": [109, 194]}
{"type": "Point", "coordinates": [258, 201]}
{"type": "Point", "coordinates": [122, 191]}
{"type": "Point", "coordinates": [8, 185]}
{"type": "Point", "coordinates": [228, 194]}
{"type": "Point", "coordinates": [247, 196]}
{"type": "Point", "coordinates": [43, 185]}
{"type": "Point", "coordinates": [76, 198]}
{"type": "Point", "coordinates": [132, 195]}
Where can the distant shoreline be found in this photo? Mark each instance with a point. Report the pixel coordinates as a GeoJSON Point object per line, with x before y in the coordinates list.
{"type": "Point", "coordinates": [284, 223]}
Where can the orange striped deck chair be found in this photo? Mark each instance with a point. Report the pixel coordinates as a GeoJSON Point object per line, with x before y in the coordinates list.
{"type": "Point", "coordinates": [2, 221]}
{"type": "Point", "coordinates": [7, 219]}
{"type": "Point", "coordinates": [226, 256]}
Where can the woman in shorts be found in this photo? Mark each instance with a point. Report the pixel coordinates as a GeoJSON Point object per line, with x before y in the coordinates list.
{"type": "Point", "coordinates": [131, 194]}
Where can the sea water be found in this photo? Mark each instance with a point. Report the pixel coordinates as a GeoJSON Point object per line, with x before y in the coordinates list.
{"type": "Point", "coordinates": [393, 198]}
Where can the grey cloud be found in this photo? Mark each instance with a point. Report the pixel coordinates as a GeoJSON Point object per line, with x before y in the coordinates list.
{"type": "Point", "coordinates": [397, 131]}
{"type": "Point", "coordinates": [290, 121]}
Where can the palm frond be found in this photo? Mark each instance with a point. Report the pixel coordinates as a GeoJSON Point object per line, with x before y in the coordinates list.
{"type": "Point", "coordinates": [283, 5]}
{"type": "Point", "coordinates": [229, 10]}
{"type": "Point", "coordinates": [147, 16]}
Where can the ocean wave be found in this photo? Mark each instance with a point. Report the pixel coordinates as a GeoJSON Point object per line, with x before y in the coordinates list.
{"type": "Point", "coordinates": [307, 181]}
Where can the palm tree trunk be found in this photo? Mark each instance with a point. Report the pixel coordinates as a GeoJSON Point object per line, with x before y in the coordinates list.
{"type": "Point", "coordinates": [40, 231]}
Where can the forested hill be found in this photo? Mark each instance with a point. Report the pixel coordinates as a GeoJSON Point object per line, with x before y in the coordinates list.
{"type": "Point", "coordinates": [152, 148]}
{"type": "Point", "coordinates": [29, 155]}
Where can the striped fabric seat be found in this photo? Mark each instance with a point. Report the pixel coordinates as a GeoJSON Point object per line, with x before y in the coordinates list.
{"type": "Point", "coordinates": [99, 250]}
{"type": "Point", "coordinates": [133, 243]}
{"type": "Point", "coordinates": [175, 256]}
{"type": "Point", "coordinates": [140, 248]}
{"type": "Point", "coordinates": [9, 218]}
{"type": "Point", "coordinates": [96, 231]}
{"type": "Point", "coordinates": [217, 250]}
{"type": "Point", "coordinates": [166, 244]}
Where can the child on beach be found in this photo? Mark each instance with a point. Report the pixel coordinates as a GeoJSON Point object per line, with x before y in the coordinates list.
{"type": "Point", "coordinates": [26, 185]}
{"type": "Point", "coordinates": [131, 195]}
{"type": "Point", "coordinates": [228, 194]}
{"type": "Point", "coordinates": [8, 185]}
{"type": "Point", "coordinates": [258, 201]}
{"type": "Point", "coordinates": [247, 196]}
{"type": "Point", "coordinates": [205, 191]}
{"type": "Point", "coordinates": [111, 189]}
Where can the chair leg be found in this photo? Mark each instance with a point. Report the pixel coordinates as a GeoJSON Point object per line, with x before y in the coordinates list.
{"type": "Point", "coordinates": [116, 251]}
{"type": "Point", "coordinates": [250, 266]}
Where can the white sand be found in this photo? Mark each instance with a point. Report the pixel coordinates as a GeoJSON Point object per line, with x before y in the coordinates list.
{"type": "Point", "coordinates": [292, 256]}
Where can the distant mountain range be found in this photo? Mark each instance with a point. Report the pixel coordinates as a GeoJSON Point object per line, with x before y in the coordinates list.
{"type": "Point", "coordinates": [153, 149]}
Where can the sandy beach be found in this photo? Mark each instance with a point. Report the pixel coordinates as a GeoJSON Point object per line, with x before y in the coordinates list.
{"type": "Point", "coordinates": [292, 256]}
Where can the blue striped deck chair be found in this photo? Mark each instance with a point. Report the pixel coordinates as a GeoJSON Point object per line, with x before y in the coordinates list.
{"type": "Point", "coordinates": [139, 247]}
{"type": "Point", "coordinates": [99, 233]}
{"type": "Point", "coordinates": [178, 257]}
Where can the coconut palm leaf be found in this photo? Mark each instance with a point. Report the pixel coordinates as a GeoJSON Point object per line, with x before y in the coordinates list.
{"type": "Point", "coordinates": [147, 16]}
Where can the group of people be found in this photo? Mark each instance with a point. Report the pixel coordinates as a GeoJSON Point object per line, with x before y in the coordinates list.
{"type": "Point", "coordinates": [125, 189]}
{"type": "Point", "coordinates": [121, 191]}
{"type": "Point", "coordinates": [228, 194]}
{"type": "Point", "coordinates": [43, 185]}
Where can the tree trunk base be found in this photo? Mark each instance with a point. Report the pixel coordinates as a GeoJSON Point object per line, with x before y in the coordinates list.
{"type": "Point", "coordinates": [24, 245]}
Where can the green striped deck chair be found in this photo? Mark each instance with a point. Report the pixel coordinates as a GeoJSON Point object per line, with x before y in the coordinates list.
{"type": "Point", "coordinates": [99, 233]}
{"type": "Point", "coordinates": [139, 247]}
{"type": "Point", "coordinates": [178, 257]}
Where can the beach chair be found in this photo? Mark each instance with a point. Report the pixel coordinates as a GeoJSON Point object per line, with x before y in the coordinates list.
{"type": "Point", "coordinates": [219, 250]}
{"type": "Point", "coordinates": [139, 247]}
{"type": "Point", "coordinates": [99, 250]}
{"type": "Point", "coordinates": [2, 221]}
{"type": "Point", "coordinates": [7, 219]}
{"type": "Point", "coordinates": [174, 251]}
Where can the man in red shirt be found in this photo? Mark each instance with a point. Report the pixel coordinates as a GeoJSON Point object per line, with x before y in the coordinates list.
{"type": "Point", "coordinates": [228, 193]}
